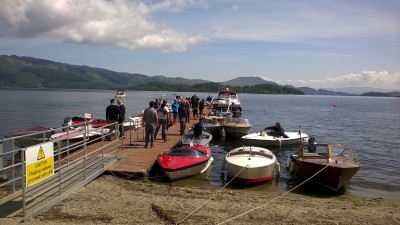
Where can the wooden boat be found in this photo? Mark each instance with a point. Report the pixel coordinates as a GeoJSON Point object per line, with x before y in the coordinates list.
{"type": "Point", "coordinates": [185, 161]}
{"type": "Point", "coordinates": [335, 164]}
{"type": "Point", "coordinates": [251, 165]}
{"type": "Point", "coordinates": [263, 138]}
{"type": "Point", "coordinates": [189, 138]}
{"type": "Point", "coordinates": [237, 127]}
{"type": "Point", "coordinates": [120, 94]}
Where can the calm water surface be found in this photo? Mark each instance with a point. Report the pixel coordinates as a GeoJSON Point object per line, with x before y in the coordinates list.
{"type": "Point", "coordinates": [371, 126]}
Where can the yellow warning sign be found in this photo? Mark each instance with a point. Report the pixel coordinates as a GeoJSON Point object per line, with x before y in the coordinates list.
{"type": "Point", "coordinates": [41, 154]}
{"type": "Point", "coordinates": [39, 162]}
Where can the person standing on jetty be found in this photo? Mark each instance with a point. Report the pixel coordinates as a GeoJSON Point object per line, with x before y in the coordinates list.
{"type": "Point", "coordinates": [182, 117]}
{"type": "Point", "coordinates": [113, 113]}
{"type": "Point", "coordinates": [149, 119]}
{"type": "Point", "coordinates": [175, 107]}
{"type": "Point", "coordinates": [163, 116]}
{"type": "Point", "coordinates": [121, 118]}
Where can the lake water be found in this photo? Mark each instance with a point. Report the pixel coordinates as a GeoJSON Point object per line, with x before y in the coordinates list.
{"type": "Point", "coordinates": [370, 125]}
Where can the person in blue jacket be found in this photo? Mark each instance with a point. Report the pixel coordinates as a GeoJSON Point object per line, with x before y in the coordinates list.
{"type": "Point", "coordinates": [276, 131]}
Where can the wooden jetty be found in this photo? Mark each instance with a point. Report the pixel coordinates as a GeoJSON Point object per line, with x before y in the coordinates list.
{"type": "Point", "coordinates": [136, 161]}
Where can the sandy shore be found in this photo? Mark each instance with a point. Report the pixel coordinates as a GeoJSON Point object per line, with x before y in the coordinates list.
{"type": "Point", "coordinates": [112, 200]}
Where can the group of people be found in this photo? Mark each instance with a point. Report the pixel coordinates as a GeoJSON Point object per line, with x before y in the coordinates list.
{"type": "Point", "coordinates": [160, 116]}
{"type": "Point", "coordinates": [115, 112]}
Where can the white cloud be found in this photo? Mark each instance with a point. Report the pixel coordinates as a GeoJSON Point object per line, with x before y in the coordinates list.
{"type": "Point", "coordinates": [119, 23]}
{"type": "Point", "coordinates": [381, 79]}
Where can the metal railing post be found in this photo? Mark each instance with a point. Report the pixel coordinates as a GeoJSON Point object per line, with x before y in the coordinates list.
{"type": "Point", "coordinates": [59, 170]}
{"type": "Point", "coordinates": [85, 151]}
{"type": "Point", "coordinates": [23, 177]}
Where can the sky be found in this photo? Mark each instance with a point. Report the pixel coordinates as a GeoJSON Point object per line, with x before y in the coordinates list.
{"type": "Point", "coordinates": [314, 43]}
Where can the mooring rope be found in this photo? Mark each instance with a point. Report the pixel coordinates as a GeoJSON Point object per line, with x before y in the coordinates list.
{"type": "Point", "coordinates": [275, 197]}
{"type": "Point", "coordinates": [212, 196]}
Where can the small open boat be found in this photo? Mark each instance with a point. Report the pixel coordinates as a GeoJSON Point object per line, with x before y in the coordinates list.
{"type": "Point", "coordinates": [335, 164]}
{"type": "Point", "coordinates": [237, 127]}
{"type": "Point", "coordinates": [189, 138]}
{"type": "Point", "coordinates": [185, 161]}
{"type": "Point", "coordinates": [251, 165]}
{"type": "Point", "coordinates": [212, 125]}
{"type": "Point", "coordinates": [263, 138]}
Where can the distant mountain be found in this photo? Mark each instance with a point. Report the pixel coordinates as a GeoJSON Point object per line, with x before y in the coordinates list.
{"type": "Point", "coordinates": [311, 91]}
{"type": "Point", "coordinates": [382, 94]}
{"type": "Point", "coordinates": [360, 90]}
{"type": "Point", "coordinates": [28, 72]}
{"type": "Point", "coordinates": [246, 81]}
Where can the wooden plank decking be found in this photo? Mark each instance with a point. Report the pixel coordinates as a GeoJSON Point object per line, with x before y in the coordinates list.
{"type": "Point", "coordinates": [134, 159]}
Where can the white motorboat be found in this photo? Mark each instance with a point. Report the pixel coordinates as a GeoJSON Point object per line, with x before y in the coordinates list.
{"type": "Point", "coordinates": [120, 94]}
{"type": "Point", "coordinates": [189, 138]}
{"type": "Point", "coordinates": [133, 122]}
{"type": "Point", "coordinates": [227, 99]}
{"type": "Point", "coordinates": [263, 138]}
{"type": "Point", "coordinates": [79, 135]}
{"type": "Point", "coordinates": [212, 125]}
{"type": "Point", "coordinates": [251, 165]}
{"type": "Point", "coordinates": [237, 127]}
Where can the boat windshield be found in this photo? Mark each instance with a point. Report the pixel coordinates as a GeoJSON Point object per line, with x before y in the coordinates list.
{"type": "Point", "coordinates": [237, 120]}
{"type": "Point", "coordinates": [186, 152]}
{"type": "Point", "coordinates": [341, 152]}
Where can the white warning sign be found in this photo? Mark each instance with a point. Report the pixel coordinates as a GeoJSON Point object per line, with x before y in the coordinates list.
{"type": "Point", "coordinates": [39, 162]}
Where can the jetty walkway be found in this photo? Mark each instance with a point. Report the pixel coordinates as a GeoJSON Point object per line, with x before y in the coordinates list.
{"type": "Point", "coordinates": [136, 161]}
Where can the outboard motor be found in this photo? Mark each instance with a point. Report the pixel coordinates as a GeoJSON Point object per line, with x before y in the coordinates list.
{"type": "Point", "coordinates": [67, 122]}
{"type": "Point", "coordinates": [312, 141]}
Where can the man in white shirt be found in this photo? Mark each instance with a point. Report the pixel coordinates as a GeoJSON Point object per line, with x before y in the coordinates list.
{"type": "Point", "coordinates": [163, 116]}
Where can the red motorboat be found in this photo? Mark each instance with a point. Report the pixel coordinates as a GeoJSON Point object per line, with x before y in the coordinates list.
{"type": "Point", "coordinates": [81, 120]}
{"type": "Point", "coordinates": [185, 161]}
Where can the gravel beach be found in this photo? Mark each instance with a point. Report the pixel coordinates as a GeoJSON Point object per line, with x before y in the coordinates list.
{"type": "Point", "coordinates": [112, 200]}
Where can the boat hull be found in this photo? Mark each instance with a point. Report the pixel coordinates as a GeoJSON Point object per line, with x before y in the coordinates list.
{"type": "Point", "coordinates": [251, 165]}
{"type": "Point", "coordinates": [236, 130]}
{"type": "Point", "coordinates": [189, 171]}
{"type": "Point", "coordinates": [260, 139]}
{"type": "Point", "coordinates": [185, 161]}
{"type": "Point", "coordinates": [333, 177]}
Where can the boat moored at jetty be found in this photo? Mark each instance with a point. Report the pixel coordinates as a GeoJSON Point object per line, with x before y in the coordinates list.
{"type": "Point", "coordinates": [185, 161]}
{"type": "Point", "coordinates": [190, 139]}
{"type": "Point", "coordinates": [227, 99]}
{"type": "Point", "coordinates": [330, 165]}
{"type": "Point", "coordinates": [237, 127]}
{"type": "Point", "coordinates": [251, 165]}
{"type": "Point", "coordinates": [263, 138]}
